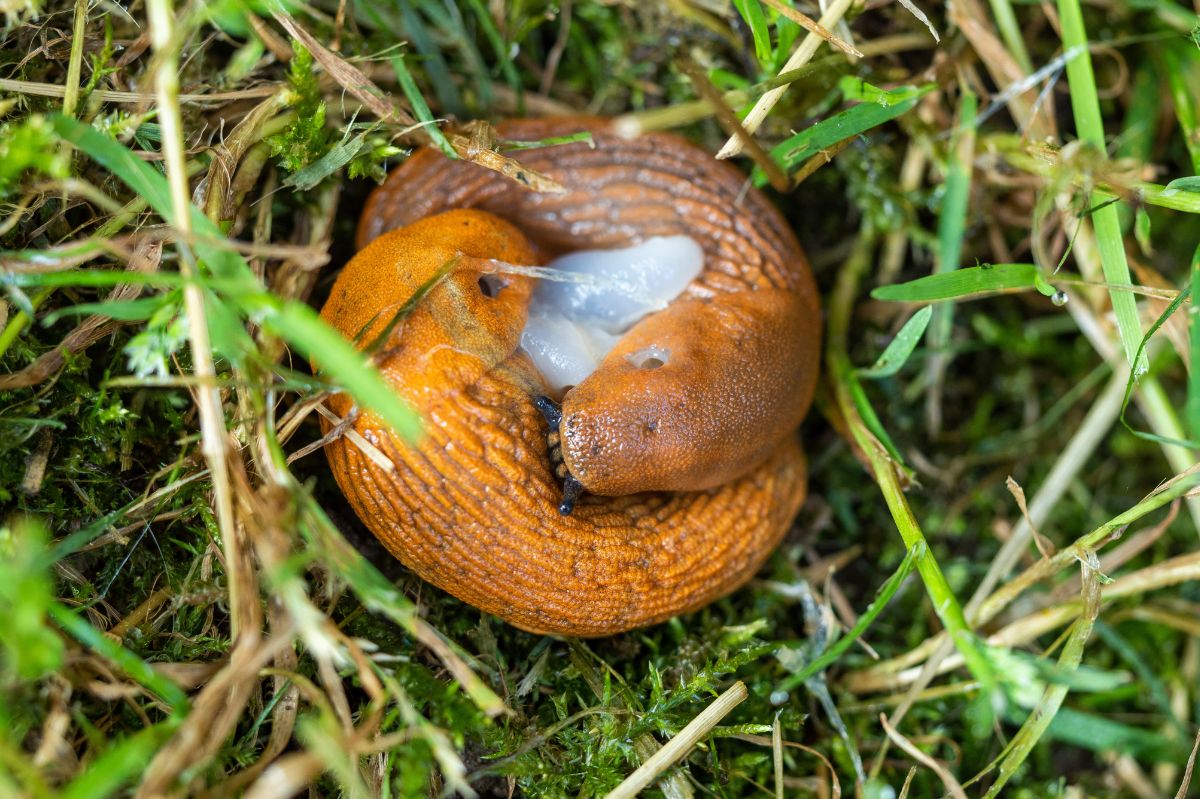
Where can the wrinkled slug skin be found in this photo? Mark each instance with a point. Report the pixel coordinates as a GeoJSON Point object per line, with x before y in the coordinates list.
{"type": "Point", "coordinates": [472, 508]}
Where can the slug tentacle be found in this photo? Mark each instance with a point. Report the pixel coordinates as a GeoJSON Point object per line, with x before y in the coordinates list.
{"type": "Point", "coordinates": [685, 432]}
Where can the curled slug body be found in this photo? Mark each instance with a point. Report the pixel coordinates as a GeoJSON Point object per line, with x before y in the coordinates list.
{"type": "Point", "coordinates": [693, 467]}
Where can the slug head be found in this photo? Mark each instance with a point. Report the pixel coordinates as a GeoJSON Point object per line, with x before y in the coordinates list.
{"type": "Point", "coordinates": [694, 395]}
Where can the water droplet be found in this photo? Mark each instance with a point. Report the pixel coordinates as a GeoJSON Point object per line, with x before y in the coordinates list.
{"type": "Point", "coordinates": [1059, 298]}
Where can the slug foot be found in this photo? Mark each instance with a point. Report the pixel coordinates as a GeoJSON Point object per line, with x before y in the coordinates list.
{"type": "Point", "coordinates": [572, 488]}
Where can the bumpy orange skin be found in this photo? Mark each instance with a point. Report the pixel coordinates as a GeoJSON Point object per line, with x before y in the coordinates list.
{"type": "Point", "coordinates": [698, 460]}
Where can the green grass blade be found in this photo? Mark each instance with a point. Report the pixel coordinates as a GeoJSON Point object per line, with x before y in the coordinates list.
{"type": "Point", "coordinates": [1183, 79]}
{"type": "Point", "coordinates": [128, 662]}
{"type": "Point", "coordinates": [1151, 686]}
{"type": "Point", "coordinates": [1191, 183]}
{"type": "Point", "coordinates": [488, 26]}
{"type": "Point", "coordinates": [900, 349]}
{"type": "Point", "coordinates": [295, 322]}
{"type": "Point", "coordinates": [1090, 128]}
{"type": "Point", "coordinates": [952, 223]}
{"type": "Point", "coordinates": [970, 283]}
{"type": "Point", "coordinates": [872, 612]}
{"type": "Point", "coordinates": [871, 419]}
{"type": "Point", "coordinates": [1099, 733]}
{"type": "Point", "coordinates": [124, 310]}
{"type": "Point", "coordinates": [1104, 734]}
{"type": "Point", "coordinates": [751, 11]}
{"type": "Point", "coordinates": [1039, 720]}
{"type": "Point", "coordinates": [308, 333]}
{"type": "Point", "coordinates": [1175, 305]}
{"type": "Point", "coordinates": [403, 22]}
{"type": "Point", "coordinates": [149, 183]}
{"type": "Point", "coordinates": [887, 474]}
{"type": "Point", "coordinates": [338, 156]}
{"type": "Point", "coordinates": [420, 107]}
{"type": "Point", "coordinates": [1137, 131]}
{"type": "Point", "coordinates": [1010, 31]}
{"type": "Point", "coordinates": [877, 108]}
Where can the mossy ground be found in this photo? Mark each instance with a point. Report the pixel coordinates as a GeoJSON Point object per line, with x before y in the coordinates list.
{"type": "Point", "coordinates": [168, 633]}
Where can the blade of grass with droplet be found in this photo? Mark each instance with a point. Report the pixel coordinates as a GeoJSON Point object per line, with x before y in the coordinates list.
{"type": "Point", "coordinates": [969, 283]}
{"type": "Point", "coordinates": [880, 107]}
{"type": "Point", "coordinates": [887, 475]}
{"type": "Point", "coordinates": [294, 321]}
{"type": "Point", "coordinates": [1089, 124]}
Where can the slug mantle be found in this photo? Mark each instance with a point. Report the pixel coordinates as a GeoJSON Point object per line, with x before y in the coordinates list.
{"type": "Point", "coordinates": [691, 465]}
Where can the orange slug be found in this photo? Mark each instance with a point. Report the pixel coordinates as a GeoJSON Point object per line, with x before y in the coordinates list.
{"type": "Point", "coordinates": [688, 462]}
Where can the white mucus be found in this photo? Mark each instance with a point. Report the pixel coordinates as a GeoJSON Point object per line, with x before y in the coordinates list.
{"type": "Point", "coordinates": [573, 323]}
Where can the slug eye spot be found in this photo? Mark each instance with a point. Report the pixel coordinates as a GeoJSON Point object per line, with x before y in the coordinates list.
{"type": "Point", "coordinates": [650, 358]}
{"type": "Point", "coordinates": [490, 286]}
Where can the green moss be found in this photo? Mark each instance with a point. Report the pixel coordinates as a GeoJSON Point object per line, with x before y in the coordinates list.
{"type": "Point", "coordinates": [306, 139]}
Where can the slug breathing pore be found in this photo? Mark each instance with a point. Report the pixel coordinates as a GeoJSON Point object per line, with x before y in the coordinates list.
{"type": "Point", "coordinates": [660, 380]}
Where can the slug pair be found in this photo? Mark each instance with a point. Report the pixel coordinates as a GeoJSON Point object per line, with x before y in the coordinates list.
{"type": "Point", "coordinates": [692, 471]}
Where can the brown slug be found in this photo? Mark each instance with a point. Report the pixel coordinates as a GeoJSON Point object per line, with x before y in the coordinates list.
{"type": "Point", "coordinates": [689, 459]}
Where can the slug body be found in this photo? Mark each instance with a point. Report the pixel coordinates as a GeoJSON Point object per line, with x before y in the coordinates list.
{"type": "Point", "coordinates": [691, 458]}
